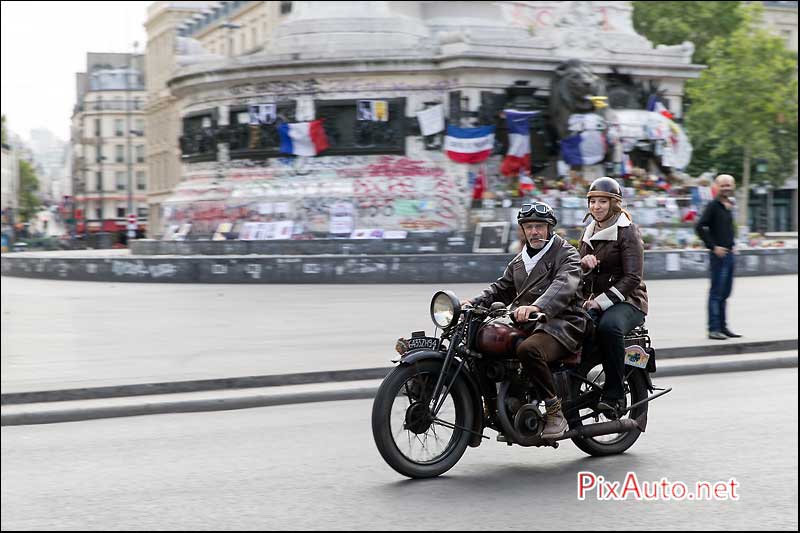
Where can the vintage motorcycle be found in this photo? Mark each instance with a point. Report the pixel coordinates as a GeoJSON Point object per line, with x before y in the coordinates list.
{"type": "Point", "coordinates": [446, 390]}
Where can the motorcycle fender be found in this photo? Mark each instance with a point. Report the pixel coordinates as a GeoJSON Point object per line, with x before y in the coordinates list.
{"type": "Point", "coordinates": [477, 402]}
{"type": "Point", "coordinates": [648, 381]}
{"type": "Point", "coordinates": [412, 357]}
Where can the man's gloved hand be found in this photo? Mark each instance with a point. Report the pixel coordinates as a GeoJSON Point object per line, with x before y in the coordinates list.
{"type": "Point", "coordinates": [522, 313]}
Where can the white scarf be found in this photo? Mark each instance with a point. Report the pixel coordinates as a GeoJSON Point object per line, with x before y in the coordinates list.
{"type": "Point", "coordinates": [530, 262]}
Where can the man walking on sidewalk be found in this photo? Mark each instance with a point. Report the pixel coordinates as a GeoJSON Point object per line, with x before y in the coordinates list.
{"type": "Point", "coordinates": [716, 229]}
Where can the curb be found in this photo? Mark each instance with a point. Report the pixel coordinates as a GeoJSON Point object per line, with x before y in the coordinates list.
{"type": "Point", "coordinates": [304, 378]}
{"type": "Point", "coordinates": [185, 406]}
{"type": "Point", "coordinates": [265, 400]}
{"type": "Point", "coordinates": [723, 348]}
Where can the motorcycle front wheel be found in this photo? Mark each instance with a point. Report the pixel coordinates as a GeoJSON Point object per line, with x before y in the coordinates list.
{"type": "Point", "coordinates": [408, 437]}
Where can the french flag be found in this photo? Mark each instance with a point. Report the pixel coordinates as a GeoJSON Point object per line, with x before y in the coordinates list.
{"type": "Point", "coordinates": [303, 138]}
{"type": "Point", "coordinates": [519, 141]}
{"type": "Point", "coordinates": [655, 105]}
{"type": "Point", "coordinates": [585, 148]}
{"type": "Point", "coordinates": [469, 145]}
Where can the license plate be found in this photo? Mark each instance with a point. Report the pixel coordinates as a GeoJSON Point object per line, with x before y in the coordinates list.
{"type": "Point", "coordinates": [419, 343]}
{"type": "Point", "coordinates": [636, 356]}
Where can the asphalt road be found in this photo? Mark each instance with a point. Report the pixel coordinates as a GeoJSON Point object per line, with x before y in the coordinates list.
{"type": "Point", "coordinates": [67, 334]}
{"type": "Point", "coordinates": [315, 466]}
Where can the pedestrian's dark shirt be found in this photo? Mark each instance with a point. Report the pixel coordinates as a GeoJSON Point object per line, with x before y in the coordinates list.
{"type": "Point", "coordinates": [715, 227]}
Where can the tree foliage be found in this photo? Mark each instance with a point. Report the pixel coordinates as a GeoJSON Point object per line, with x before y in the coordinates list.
{"type": "Point", "coordinates": [746, 103]}
{"type": "Point", "coordinates": [699, 22]}
{"type": "Point", "coordinates": [29, 202]}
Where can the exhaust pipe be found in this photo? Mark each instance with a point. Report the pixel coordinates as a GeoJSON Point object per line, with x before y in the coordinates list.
{"type": "Point", "coordinates": [605, 428]}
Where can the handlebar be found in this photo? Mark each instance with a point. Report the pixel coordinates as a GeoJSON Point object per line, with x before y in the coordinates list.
{"type": "Point", "coordinates": [535, 317]}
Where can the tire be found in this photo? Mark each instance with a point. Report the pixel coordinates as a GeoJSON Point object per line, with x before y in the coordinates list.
{"type": "Point", "coordinates": [404, 387]}
{"type": "Point", "coordinates": [636, 389]}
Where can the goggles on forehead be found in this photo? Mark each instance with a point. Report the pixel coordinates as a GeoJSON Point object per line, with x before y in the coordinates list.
{"type": "Point", "coordinates": [542, 209]}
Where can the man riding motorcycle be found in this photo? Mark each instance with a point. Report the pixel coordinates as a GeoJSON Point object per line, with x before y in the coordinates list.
{"type": "Point", "coordinates": [543, 278]}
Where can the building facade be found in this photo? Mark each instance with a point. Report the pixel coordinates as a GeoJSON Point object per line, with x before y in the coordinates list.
{"type": "Point", "coordinates": [108, 135]}
{"type": "Point", "coordinates": [10, 180]}
{"type": "Point", "coordinates": [162, 115]}
{"type": "Point", "coordinates": [49, 153]}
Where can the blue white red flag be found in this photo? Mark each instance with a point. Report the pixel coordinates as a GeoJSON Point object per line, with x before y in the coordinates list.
{"type": "Point", "coordinates": [586, 144]}
{"type": "Point", "coordinates": [586, 148]}
{"type": "Point", "coordinates": [469, 145]}
{"type": "Point", "coordinates": [655, 105]}
{"type": "Point", "coordinates": [519, 141]}
{"type": "Point", "coordinates": [303, 138]}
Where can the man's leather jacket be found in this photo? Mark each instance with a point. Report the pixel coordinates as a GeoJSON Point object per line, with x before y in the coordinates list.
{"type": "Point", "coordinates": [552, 286]}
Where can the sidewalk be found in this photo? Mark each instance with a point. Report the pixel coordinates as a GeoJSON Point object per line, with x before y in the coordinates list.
{"type": "Point", "coordinates": [69, 353]}
{"type": "Point", "coordinates": [67, 335]}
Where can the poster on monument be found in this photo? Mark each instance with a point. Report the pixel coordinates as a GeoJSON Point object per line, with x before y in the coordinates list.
{"type": "Point", "coordinates": [431, 120]}
{"type": "Point", "coordinates": [264, 231]}
{"type": "Point", "coordinates": [341, 218]}
{"type": "Point", "coordinates": [222, 230]}
{"type": "Point", "coordinates": [373, 110]}
{"type": "Point", "coordinates": [247, 233]}
{"type": "Point", "coordinates": [283, 229]}
{"type": "Point", "coordinates": [262, 114]}
{"type": "Point", "coordinates": [490, 237]}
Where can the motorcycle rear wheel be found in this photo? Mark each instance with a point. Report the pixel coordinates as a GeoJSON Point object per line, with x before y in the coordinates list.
{"type": "Point", "coordinates": [407, 440]}
{"type": "Point", "coordinates": [636, 390]}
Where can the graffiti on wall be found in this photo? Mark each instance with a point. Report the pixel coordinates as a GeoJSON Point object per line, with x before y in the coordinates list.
{"type": "Point", "coordinates": [537, 18]}
{"type": "Point", "coordinates": [317, 194]}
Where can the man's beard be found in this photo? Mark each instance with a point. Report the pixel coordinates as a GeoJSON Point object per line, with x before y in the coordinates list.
{"type": "Point", "coordinates": [537, 244]}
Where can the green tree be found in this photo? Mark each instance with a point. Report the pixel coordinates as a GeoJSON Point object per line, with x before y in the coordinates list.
{"type": "Point", "coordinates": [746, 103]}
{"type": "Point", "coordinates": [29, 202]}
{"type": "Point", "coordinates": [699, 22]}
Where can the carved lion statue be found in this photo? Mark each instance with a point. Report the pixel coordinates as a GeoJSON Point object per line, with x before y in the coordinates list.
{"type": "Point", "coordinates": [572, 83]}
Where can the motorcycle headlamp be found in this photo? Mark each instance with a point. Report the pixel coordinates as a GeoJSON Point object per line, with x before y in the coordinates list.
{"type": "Point", "coordinates": [445, 309]}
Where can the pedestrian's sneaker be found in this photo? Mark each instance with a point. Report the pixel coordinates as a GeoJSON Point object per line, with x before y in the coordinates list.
{"type": "Point", "coordinates": [729, 333]}
{"type": "Point", "coordinates": [717, 336]}
{"type": "Point", "coordinates": [555, 424]}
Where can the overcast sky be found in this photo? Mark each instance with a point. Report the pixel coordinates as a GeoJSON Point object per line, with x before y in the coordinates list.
{"type": "Point", "coordinates": [45, 43]}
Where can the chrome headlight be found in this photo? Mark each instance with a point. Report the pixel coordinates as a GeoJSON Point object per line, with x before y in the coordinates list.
{"type": "Point", "coordinates": [445, 309]}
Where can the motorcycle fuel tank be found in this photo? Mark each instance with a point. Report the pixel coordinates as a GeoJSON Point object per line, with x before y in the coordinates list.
{"type": "Point", "coordinates": [499, 338]}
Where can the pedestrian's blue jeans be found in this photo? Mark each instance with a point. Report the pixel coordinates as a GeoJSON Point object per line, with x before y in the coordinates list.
{"type": "Point", "coordinates": [721, 285]}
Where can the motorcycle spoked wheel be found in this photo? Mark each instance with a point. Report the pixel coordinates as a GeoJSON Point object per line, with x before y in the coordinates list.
{"type": "Point", "coordinates": [635, 390]}
{"type": "Point", "coordinates": [407, 439]}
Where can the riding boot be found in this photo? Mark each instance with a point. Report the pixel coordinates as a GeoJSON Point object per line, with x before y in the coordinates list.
{"type": "Point", "coordinates": [555, 424]}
